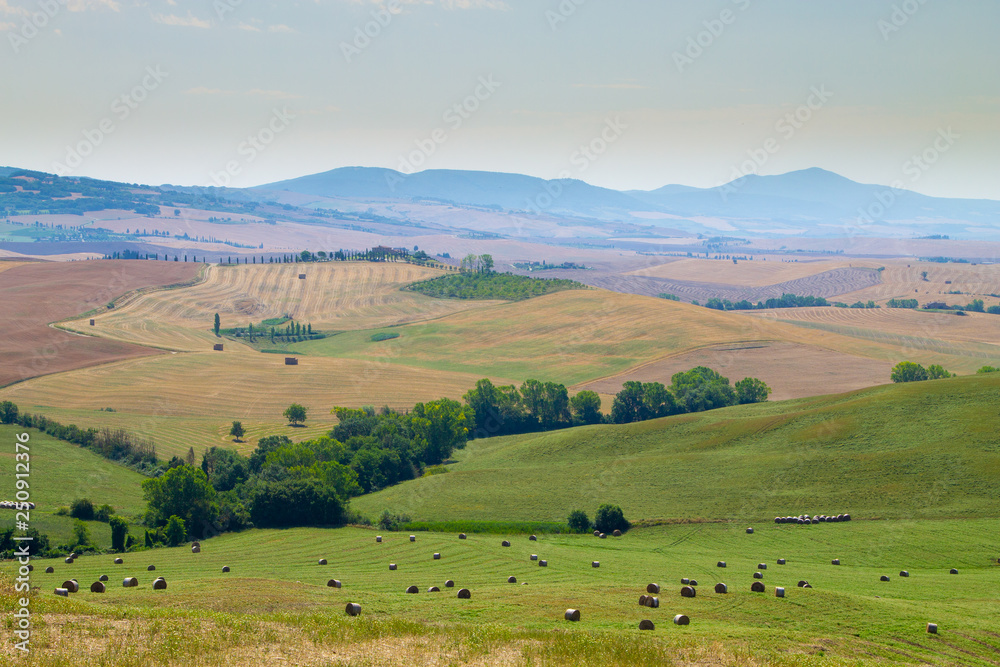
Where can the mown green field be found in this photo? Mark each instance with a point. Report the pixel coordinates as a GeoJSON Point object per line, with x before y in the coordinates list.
{"type": "Point", "coordinates": [61, 473]}
{"type": "Point", "coordinates": [918, 450]}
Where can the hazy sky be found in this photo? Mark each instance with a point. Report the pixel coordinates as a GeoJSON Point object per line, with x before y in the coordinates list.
{"type": "Point", "coordinates": [660, 91]}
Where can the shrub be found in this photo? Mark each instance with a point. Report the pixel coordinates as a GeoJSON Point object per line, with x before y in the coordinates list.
{"type": "Point", "coordinates": [610, 518]}
{"type": "Point", "coordinates": [579, 521]}
{"type": "Point", "coordinates": [119, 533]}
{"type": "Point", "coordinates": [82, 509]}
{"type": "Point", "coordinates": [988, 369]}
{"type": "Point", "coordinates": [175, 531]}
{"type": "Point", "coordinates": [379, 337]}
{"type": "Point", "coordinates": [103, 513]}
{"type": "Point", "coordinates": [390, 521]}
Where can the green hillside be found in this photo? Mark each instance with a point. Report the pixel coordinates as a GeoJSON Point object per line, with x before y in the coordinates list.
{"type": "Point", "coordinates": [920, 450]}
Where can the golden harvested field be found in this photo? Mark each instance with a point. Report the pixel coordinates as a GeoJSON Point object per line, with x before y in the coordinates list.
{"type": "Point", "coordinates": [790, 369]}
{"type": "Point", "coordinates": [748, 274]}
{"type": "Point", "coordinates": [8, 265]}
{"type": "Point", "coordinates": [903, 280]}
{"type": "Point", "coordinates": [334, 296]}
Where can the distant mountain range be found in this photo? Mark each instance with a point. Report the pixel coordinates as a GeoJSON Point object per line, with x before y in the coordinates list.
{"type": "Point", "coordinates": [811, 202]}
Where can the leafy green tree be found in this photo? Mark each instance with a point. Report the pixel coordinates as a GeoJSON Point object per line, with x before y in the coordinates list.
{"type": "Point", "coordinates": [627, 406]}
{"type": "Point", "coordinates": [218, 323]}
{"type": "Point", "coordinates": [175, 531]}
{"type": "Point", "coordinates": [81, 534]}
{"type": "Point", "coordinates": [702, 388]}
{"type": "Point", "coordinates": [751, 390]}
{"type": "Point", "coordinates": [988, 369]}
{"type": "Point", "coordinates": [977, 306]}
{"type": "Point", "coordinates": [8, 412]}
{"type": "Point", "coordinates": [148, 540]}
{"type": "Point", "coordinates": [907, 371]}
{"type": "Point", "coordinates": [657, 401]}
{"type": "Point", "coordinates": [442, 426]}
{"type": "Point", "coordinates": [184, 491]}
{"type": "Point", "coordinates": [610, 518]}
{"type": "Point", "coordinates": [104, 513]}
{"type": "Point", "coordinates": [937, 372]}
{"type": "Point", "coordinates": [586, 407]}
{"type": "Point", "coordinates": [295, 414]}
{"type": "Point", "coordinates": [486, 263]}
{"type": "Point", "coordinates": [119, 530]}
{"type": "Point", "coordinates": [578, 521]}
{"type": "Point", "coordinates": [225, 468]}
{"type": "Point", "coordinates": [82, 509]}
{"type": "Point", "coordinates": [297, 502]}
{"type": "Point", "coordinates": [237, 430]}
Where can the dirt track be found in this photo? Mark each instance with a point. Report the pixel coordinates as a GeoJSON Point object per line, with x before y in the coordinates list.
{"type": "Point", "coordinates": [36, 294]}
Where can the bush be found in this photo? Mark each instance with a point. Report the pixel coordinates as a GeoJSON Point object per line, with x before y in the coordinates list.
{"type": "Point", "coordinates": [119, 533]}
{"type": "Point", "coordinates": [578, 521]}
{"type": "Point", "coordinates": [390, 521]}
{"type": "Point", "coordinates": [104, 513]}
{"type": "Point", "coordinates": [379, 337]}
{"type": "Point", "coordinates": [175, 531]}
{"type": "Point", "coordinates": [987, 369]}
{"type": "Point", "coordinates": [610, 518]}
{"type": "Point", "coordinates": [82, 509]}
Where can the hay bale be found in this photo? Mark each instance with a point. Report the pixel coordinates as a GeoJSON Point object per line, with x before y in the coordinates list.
{"type": "Point", "coordinates": [693, 582]}
{"type": "Point", "coordinates": [761, 566]}
{"type": "Point", "coordinates": [103, 577]}
{"type": "Point", "coordinates": [757, 587]}
{"type": "Point", "coordinates": [334, 583]}
{"type": "Point", "coordinates": [413, 538]}
{"type": "Point", "coordinates": [196, 543]}
{"type": "Point", "coordinates": [322, 561]}
{"type": "Point", "coordinates": [217, 347]}
{"type": "Point", "coordinates": [433, 589]}
{"type": "Point", "coordinates": [49, 570]}
{"type": "Point", "coordinates": [225, 568]}
{"type": "Point", "coordinates": [688, 592]}
{"type": "Point", "coordinates": [68, 560]}
{"type": "Point", "coordinates": [72, 586]}
{"type": "Point", "coordinates": [97, 587]}
{"type": "Point", "coordinates": [196, 550]}
{"type": "Point", "coordinates": [572, 615]}
{"type": "Point", "coordinates": [758, 575]}
{"type": "Point", "coordinates": [413, 590]}
{"type": "Point", "coordinates": [93, 323]}
{"type": "Point", "coordinates": [646, 625]}
{"type": "Point", "coordinates": [437, 556]}
{"type": "Point", "coordinates": [392, 566]}
{"type": "Point", "coordinates": [781, 561]}
{"type": "Point", "coordinates": [302, 276]}
{"type": "Point", "coordinates": [543, 563]}
{"type": "Point", "coordinates": [160, 585]}
{"type": "Point", "coordinates": [511, 580]}
{"type": "Point", "coordinates": [721, 563]}
{"type": "Point", "coordinates": [779, 592]}
{"type": "Point", "coordinates": [461, 536]}
{"type": "Point", "coordinates": [653, 602]}
{"type": "Point", "coordinates": [953, 571]}
{"type": "Point", "coordinates": [378, 538]}
{"type": "Point", "coordinates": [807, 586]}
{"type": "Point", "coordinates": [617, 533]}
{"type": "Point", "coordinates": [353, 609]}
{"type": "Point", "coordinates": [505, 543]}
{"type": "Point", "coordinates": [835, 561]}
{"type": "Point", "coordinates": [532, 538]}
{"type": "Point", "coordinates": [130, 582]}
{"type": "Point", "coordinates": [449, 584]}
{"type": "Point", "coordinates": [595, 563]}
{"type": "Point", "coordinates": [721, 589]}
{"type": "Point", "coordinates": [597, 533]}
{"type": "Point", "coordinates": [63, 592]}
{"type": "Point", "coordinates": [151, 568]}
{"type": "Point", "coordinates": [534, 556]}
{"type": "Point", "coordinates": [931, 627]}
{"type": "Point", "coordinates": [904, 573]}
{"type": "Point", "coordinates": [642, 600]}
{"type": "Point", "coordinates": [118, 561]}
{"type": "Point", "coordinates": [681, 619]}
{"type": "Point", "coordinates": [685, 581]}
{"type": "Point", "coordinates": [749, 531]}
{"type": "Point", "coordinates": [291, 361]}
{"type": "Point", "coordinates": [883, 578]}
{"type": "Point", "coordinates": [603, 536]}
{"type": "Point", "coordinates": [802, 583]}
{"type": "Point", "coordinates": [652, 588]}
{"type": "Point", "coordinates": [464, 594]}
{"type": "Point", "coordinates": [778, 519]}
{"type": "Point", "coordinates": [847, 517]}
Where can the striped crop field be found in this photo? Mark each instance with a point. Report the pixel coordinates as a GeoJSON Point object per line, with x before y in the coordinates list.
{"type": "Point", "coordinates": [904, 280]}
{"type": "Point", "coordinates": [333, 296]}
{"type": "Point", "coordinates": [747, 273]}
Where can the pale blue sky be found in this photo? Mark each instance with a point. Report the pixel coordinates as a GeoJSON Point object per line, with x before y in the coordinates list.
{"type": "Point", "coordinates": [559, 77]}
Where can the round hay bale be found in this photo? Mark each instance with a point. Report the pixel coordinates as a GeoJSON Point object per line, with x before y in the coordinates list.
{"type": "Point", "coordinates": [412, 590]}
{"type": "Point", "coordinates": [847, 517]}
{"type": "Point", "coordinates": [802, 583]}
{"type": "Point", "coordinates": [653, 602]}
{"type": "Point", "coordinates": [953, 571]}
{"type": "Point", "coordinates": [807, 586]}
{"type": "Point", "coordinates": [685, 581]}
{"type": "Point", "coordinates": [721, 563]}
{"type": "Point", "coordinates": [74, 555]}
{"type": "Point", "coordinates": [449, 584]}
{"type": "Point", "coordinates": [532, 538]}
{"type": "Point", "coordinates": [160, 585]}
{"type": "Point", "coordinates": [757, 587]}
{"type": "Point", "coordinates": [392, 566]}
{"type": "Point", "coordinates": [103, 577]}
{"type": "Point", "coordinates": [461, 536]}
{"type": "Point", "coordinates": [63, 592]}
{"type": "Point", "coordinates": [196, 543]}
{"type": "Point", "coordinates": [931, 627]}
{"type": "Point", "coordinates": [322, 561]}
{"type": "Point", "coordinates": [69, 560]}
{"type": "Point", "coordinates": [904, 573]}
{"type": "Point", "coordinates": [603, 536]}
{"type": "Point", "coordinates": [118, 561]}
{"type": "Point", "coordinates": [130, 582]}
{"type": "Point", "coordinates": [688, 592]}
{"type": "Point", "coordinates": [617, 533]}
{"type": "Point", "coordinates": [572, 615]}
{"type": "Point", "coordinates": [378, 539]}
{"type": "Point", "coordinates": [31, 568]}
{"type": "Point", "coordinates": [543, 563]}
{"type": "Point", "coordinates": [597, 533]}
{"type": "Point", "coordinates": [595, 563]}
{"type": "Point", "coordinates": [49, 570]}
{"type": "Point", "coordinates": [749, 531]}
{"type": "Point", "coordinates": [413, 538]}
{"type": "Point", "coordinates": [437, 556]}
{"type": "Point", "coordinates": [777, 519]}
{"type": "Point", "coordinates": [883, 578]}
{"type": "Point", "coordinates": [353, 609]}
{"type": "Point", "coordinates": [758, 575]}
{"type": "Point", "coordinates": [652, 588]}
{"type": "Point", "coordinates": [464, 594]}
{"type": "Point", "coordinates": [97, 587]}
{"type": "Point", "coordinates": [779, 592]}
{"type": "Point", "coordinates": [151, 568]}
{"type": "Point", "coordinates": [196, 550]}
{"type": "Point", "coordinates": [534, 556]}
{"type": "Point", "coordinates": [721, 588]}
{"type": "Point", "coordinates": [642, 600]}
{"type": "Point", "coordinates": [781, 561]}
{"type": "Point", "coordinates": [433, 589]}
{"type": "Point", "coordinates": [693, 582]}
{"type": "Point", "coordinates": [505, 543]}
{"type": "Point", "coordinates": [334, 583]}
{"type": "Point", "coordinates": [225, 568]}
{"type": "Point", "coordinates": [681, 619]}
{"type": "Point", "coordinates": [835, 561]}
{"type": "Point", "coordinates": [72, 586]}
{"type": "Point", "coordinates": [761, 566]}
{"type": "Point", "coordinates": [646, 625]}
{"type": "Point", "coordinates": [511, 580]}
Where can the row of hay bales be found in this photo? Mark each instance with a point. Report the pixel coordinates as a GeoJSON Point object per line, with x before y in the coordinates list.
{"type": "Point", "coordinates": [806, 520]}
{"type": "Point", "coordinates": [12, 505]}
{"type": "Point", "coordinates": [100, 586]}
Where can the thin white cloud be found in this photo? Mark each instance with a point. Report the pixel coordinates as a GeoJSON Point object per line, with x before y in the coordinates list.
{"type": "Point", "coordinates": [274, 94]}
{"type": "Point", "coordinates": [6, 8]}
{"type": "Point", "coordinates": [7, 26]}
{"type": "Point", "coordinates": [248, 27]}
{"type": "Point", "coordinates": [86, 5]}
{"type": "Point", "coordinates": [280, 27]}
{"type": "Point", "coordinates": [189, 21]}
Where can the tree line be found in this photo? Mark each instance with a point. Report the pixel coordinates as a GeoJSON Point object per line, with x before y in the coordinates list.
{"type": "Point", "coordinates": [785, 301]}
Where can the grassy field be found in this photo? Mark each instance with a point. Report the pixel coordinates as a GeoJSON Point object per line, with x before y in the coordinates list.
{"type": "Point", "coordinates": [61, 473]}
{"type": "Point", "coordinates": [920, 450]}
{"type": "Point", "coordinates": [276, 596]}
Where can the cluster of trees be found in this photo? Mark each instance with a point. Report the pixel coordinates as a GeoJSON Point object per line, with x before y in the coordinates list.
{"type": "Point", "coordinates": [535, 406]}
{"type": "Point", "coordinates": [988, 369]}
{"type": "Point", "coordinates": [908, 371]}
{"type": "Point", "coordinates": [902, 303]}
{"type": "Point", "coordinates": [608, 519]}
{"type": "Point", "coordinates": [975, 306]}
{"type": "Point", "coordinates": [696, 390]}
{"type": "Point", "coordinates": [501, 286]}
{"type": "Point", "coordinates": [861, 305]}
{"type": "Point", "coordinates": [477, 264]}
{"type": "Point", "coordinates": [786, 301]}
